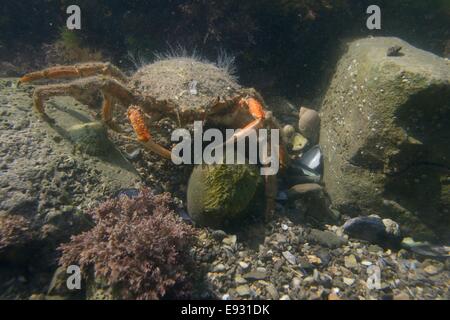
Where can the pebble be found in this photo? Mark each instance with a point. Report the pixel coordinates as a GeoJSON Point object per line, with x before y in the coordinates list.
{"type": "Point", "coordinates": [296, 282]}
{"type": "Point", "coordinates": [431, 270]}
{"type": "Point", "coordinates": [239, 280]}
{"type": "Point", "coordinates": [255, 275]}
{"type": "Point", "coordinates": [350, 262]}
{"type": "Point", "coordinates": [243, 290]}
{"type": "Point", "coordinates": [218, 235]}
{"type": "Point", "coordinates": [244, 265]}
{"type": "Point", "coordinates": [300, 190]}
{"type": "Point", "coordinates": [314, 260]}
{"type": "Point", "coordinates": [298, 142]}
{"type": "Point", "coordinates": [230, 240]}
{"type": "Point", "coordinates": [219, 268]}
{"type": "Point", "coordinates": [285, 297]}
{"type": "Point", "coordinates": [290, 257]}
{"type": "Point", "coordinates": [401, 296]}
{"type": "Point", "coordinates": [348, 281]}
{"type": "Point", "coordinates": [333, 296]}
{"type": "Point", "coordinates": [272, 291]}
{"type": "Point", "coordinates": [326, 238]}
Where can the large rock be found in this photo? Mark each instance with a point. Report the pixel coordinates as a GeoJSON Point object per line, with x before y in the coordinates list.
{"type": "Point", "coordinates": [219, 195]}
{"type": "Point", "coordinates": [385, 136]}
{"type": "Point", "coordinates": [50, 174]}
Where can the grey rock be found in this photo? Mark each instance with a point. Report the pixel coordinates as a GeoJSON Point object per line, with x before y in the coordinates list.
{"type": "Point", "coordinates": [372, 229]}
{"type": "Point", "coordinates": [303, 189]}
{"type": "Point", "coordinates": [326, 238]}
{"type": "Point", "coordinates": [393, 114]}
{"type": "Point", "coordinates": [350, 262]}
{"type": "Point", "coordinates": [290, 257]}
{"type": "Point", "coordinates": [243, 290]}
{"type": "Point", "coordinates": [309, 124]}
{"type": "Point", "coordinates": [219, 268]}
{"type": "Point", "coordinates": [218, 235]}
{"type": "Point", "coordinates": [255, 275]}
{"type": "Point", "coordinates": [272, 291]}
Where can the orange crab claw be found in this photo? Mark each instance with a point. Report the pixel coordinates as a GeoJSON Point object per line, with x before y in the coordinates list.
{"type": "Point", "coordinates": [136, 117]}
{"type": "Point", "coordinates": [254, 107]}
{"type": "Point", "coordinates": [137, 121]}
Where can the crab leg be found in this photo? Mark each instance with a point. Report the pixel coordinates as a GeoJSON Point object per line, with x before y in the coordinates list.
{"type": "Point", "coordinates": [136, 117]}
{"type": "Point", "coordinates": [81, 70]}
{"type": "Point", "coordinates": [257, 111]}
{"type": "Point", "coordinates": [108, 86]}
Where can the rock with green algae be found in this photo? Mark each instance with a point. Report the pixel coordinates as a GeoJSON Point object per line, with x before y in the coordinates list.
{"type": "Point", "coordinates": [385, 135]}
{"type": "Point", "coordinates": [220, 194]}
{"type": "Point", "coordinates": [91, 138]}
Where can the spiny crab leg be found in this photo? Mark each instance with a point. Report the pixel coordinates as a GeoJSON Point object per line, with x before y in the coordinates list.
{"type": "Point", "coordinates": [136, 117]}
{"type": "Point", "coordinates": [108, 86]}
{"type": "Point", "coordinates": [81, 70]}
{"type": "Point", "coordinates": [263, 119]}
{"type": "Point", "coordinates": [257, 111]}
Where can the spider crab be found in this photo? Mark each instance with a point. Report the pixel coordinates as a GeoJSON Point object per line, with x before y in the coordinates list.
{"type": "Point", "coordinates": [232, 106]}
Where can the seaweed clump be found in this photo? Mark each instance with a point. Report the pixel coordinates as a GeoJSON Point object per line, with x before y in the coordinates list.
{"type": "Point", "coordinates": [69, 49]}
{"type": "Point", "coordinates": [16, 234]}
{"type": "Point", "coordinates": [138, 247]}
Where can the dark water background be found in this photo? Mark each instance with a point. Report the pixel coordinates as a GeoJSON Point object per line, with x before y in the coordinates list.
{"type": "Point", "coordinates": [288, 46]}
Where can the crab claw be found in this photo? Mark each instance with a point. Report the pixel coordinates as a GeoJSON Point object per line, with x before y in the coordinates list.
{"type": "Point", "coordinates": [136, 117]}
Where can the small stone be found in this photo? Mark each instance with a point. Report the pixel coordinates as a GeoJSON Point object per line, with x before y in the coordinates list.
{"type": "Point", "coordinates": [308, 280]}
{"type": "Point", "coordinates": [239, 280]}
{"type": "Point", "coordinates": [333, 296]}
{"type": "Point", "coordinates": [296, 282]}
{"type": "Point", "coordinates": [244, 265]}
{"type": "Point", "coordinates": [309, 124]}
{"type": "Point", "coordinates": [374, 248]}
{"type": "Point", "coordinates": [431, 270]}
{"type": "Point", "coordinates": [243, 290]}
{"type": "Point", "coordinates": [272, 291]}
{"type": "Point", "coordinates": [218, 235]}
{"type": "Point", "coordinates": [219, 268]}
{"type": "Point", "coordinates": [401, 296]}
{"type": "Point", "coordinates": [230, 240]}
{"type": "Point", "coordinates": [326, 238]}
{"type": "Point", "coordinates": [298, 142]}
{"type": "Point", "coordinates": [226, 297]}
{"type": "Point", "coordinates": [285, 297]}
{"type": "Point", "coordinates": [255, 275]}
{"type": "Point", "coordinates": [314, 260]}
{"type": "Point", "coordinates": [290, 257]}
{"type": "Point", "coordinates": [300, 190]}
{"type": "Point", "coordinates": [392, 227]}
{"type": "Point", "coordinates": [366, 263]}
{"type": "Point", "coordinates": [284, 227]}
{"type": "Point", "coordinates": [348, 281]}
{"type": "Point", "coordinates": [288, 131]}
{"type": "Point", "coordinates": [350, 262]}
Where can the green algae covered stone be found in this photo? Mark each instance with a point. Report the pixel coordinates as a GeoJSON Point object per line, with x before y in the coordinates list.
{"type": "Point", "coordinates": [220, 194]}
